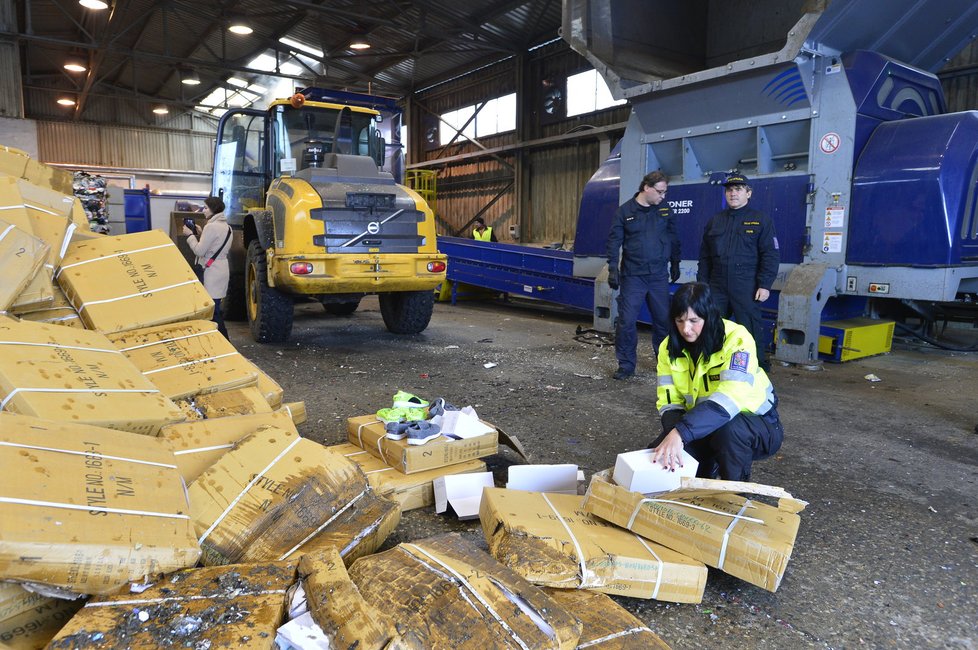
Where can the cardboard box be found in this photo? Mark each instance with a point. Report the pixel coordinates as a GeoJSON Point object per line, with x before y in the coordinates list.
{"type": "Point", "coordinates": [28, 621]}
{"type": "Point", "coordinates": [38, 290]}
{"type": "Point", "coordinates": [454, 595]}
{"type": "Point", "coordinates": [61, 316]}
{"type": "Point", "coordinates": [215, 607]}
{"type": "Point", "coordinates": [225, 403]}
{"type": "Point", "coordinates": [367, 432]}
{"type": "Point", "coordinates": [410, 491]}
{"type": "Point", "coordinates": [275, 494]}
{"type": "Point", "coordinates": [13, 162]}
{"type": "Point", "coordinates": [21, 258]}
{"type": "Point", "coordinates": [607, 625]}
{"type": "Point", "coordinates": [462, 492]}
{"type": "Point", "coordinates": [561, 478]}
{"type": "Point", "coordinates": [185, 359]}
{"type": "Point", "coordinates": [89, 509]}
{"type": "Point", "coordinates": [132, 281]}
{"type": "Point", "coordinates": [635, 471]}
{"type": "Point", "coordinates": [76, 375]}
{"type": "Point", "coordinates": [199, 444]}
{"type": "Point", "coordinates": [743, 537]}
{"type": "Point", "coordinates": [550, 540]}
{"type": "Point", "coordinates": [296, 410]}
{"type": "Point", "coordinates": [50, 177]}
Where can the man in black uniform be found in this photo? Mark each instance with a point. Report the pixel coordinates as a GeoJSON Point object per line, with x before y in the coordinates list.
{"type": "Point", "coordinates": [645, 230]}
{"type": "Point", "coordinates": [739, 259]}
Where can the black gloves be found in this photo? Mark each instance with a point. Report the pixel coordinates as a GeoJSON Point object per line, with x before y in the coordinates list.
{"type": "Point", "coordinates": [613, 279]}
{"type": "Point", "coordinates": [673, 270]}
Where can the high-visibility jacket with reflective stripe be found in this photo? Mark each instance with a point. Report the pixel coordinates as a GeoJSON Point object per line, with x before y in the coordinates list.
{"type": "Point", "coordinates": [712, 392]}
{"type": "Point", "coordinates": [485, 235]}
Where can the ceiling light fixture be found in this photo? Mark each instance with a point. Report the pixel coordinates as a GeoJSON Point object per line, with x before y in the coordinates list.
{"type": "Point", "coordinates": [96, 5]}
{"type": "Point", "coordinates": [75, 66]}
{"type": "Point", "coordinates": [161, 110]}
{"type": "Point", "coordinates": [359, 43]}
{"type": "Point", "coordinates": [66, 101]}
{"type": "Point", "coordinates": [189, 77]}
{"type": "Point", "coordinates": [238, 25]}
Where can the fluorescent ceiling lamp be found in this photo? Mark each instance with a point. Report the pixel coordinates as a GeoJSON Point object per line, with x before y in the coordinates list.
{"type": "Point", "coordinates": [74, 66]}
{"type": "Point", "coordinates": [94, 4]}
{"type": "Point", "coordinates": [238, 25]}
{"type": "Point", "coordinates": [65, 101]}
{"type": "Point", "coordinates": [359, 44]}
{"type": "Point", "coordinates": [308, 49]}
{"type": "Point", "coordinates": [189, 77]}
{"type": "Point", "coordinates": [161, 110]}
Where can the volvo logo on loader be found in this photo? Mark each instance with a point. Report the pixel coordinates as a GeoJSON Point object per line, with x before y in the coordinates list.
{"type": "Point", "coordinates": [373, 227]}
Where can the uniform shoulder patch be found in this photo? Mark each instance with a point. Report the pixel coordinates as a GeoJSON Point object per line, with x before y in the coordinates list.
{"type": "Point", "coordinates": [740, 360]}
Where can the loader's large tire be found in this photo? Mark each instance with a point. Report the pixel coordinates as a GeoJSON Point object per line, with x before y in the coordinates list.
{"type": "Point", "coordinates": [269, 310]}
{"type": "Point", "coordinates": [233, 305]}
{"type": "Point", "coordinates": [341, 308]}
{"type": "Point", "coordinates": [407, 312]}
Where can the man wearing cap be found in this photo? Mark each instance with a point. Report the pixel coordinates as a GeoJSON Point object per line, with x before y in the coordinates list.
{"type": "Point", "coordinates": [739, 259]}
{"type": "Point", "coordinates": [644, 230]}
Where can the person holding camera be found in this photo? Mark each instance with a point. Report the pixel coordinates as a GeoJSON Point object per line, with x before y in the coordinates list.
{"type": "Point", "coordinates": [644, 230]}
{"type": "Point", "coordinates": [211, 246]}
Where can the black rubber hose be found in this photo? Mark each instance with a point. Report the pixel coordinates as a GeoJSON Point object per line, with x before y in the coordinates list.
{"type": "Point", "coordinates": [933, 341]}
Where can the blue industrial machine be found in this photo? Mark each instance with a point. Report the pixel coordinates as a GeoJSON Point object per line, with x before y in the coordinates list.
{"type": "Point", "coordinates": [844, 133]}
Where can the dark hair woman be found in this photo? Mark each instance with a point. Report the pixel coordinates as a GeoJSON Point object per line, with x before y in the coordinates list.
{"type": "Point", "coordinates": [213, 242]}
{"type": "Point", "coordinates": [712, 397]}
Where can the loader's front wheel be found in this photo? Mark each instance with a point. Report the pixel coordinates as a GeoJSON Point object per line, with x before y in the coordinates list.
{"type": "Point", "coordinates": [269, 310]}
{"type": "Point", "coordinates": [407, 312]}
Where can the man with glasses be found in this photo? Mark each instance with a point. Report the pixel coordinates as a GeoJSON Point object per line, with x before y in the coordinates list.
{"type": "Point", "coordinates": [644, 230]}
{"type": "Point", "coordinates": [739, 259]}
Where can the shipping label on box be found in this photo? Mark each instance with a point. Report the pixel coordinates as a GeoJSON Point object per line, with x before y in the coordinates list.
{"type": "Point", "coordinates": [411, 491]}
{"type": "Point", "coordinates": [184, 359]}
{"type": "Point", "coordinates": [367, 432]}
{"type": "Point", "coordinates": [743, 537]}
{"type": "Point", "coordinates": [550, 540]}
{"type": "Point", "coordinates": [89, 509]}
{"type": "Point", "coordinates": [132, 281]}
{"type": "Point", "coordinates": [199, 444]}
{"type": "Point", "coordinates": [271, 495]}
{"type": "Point", "coordinates": [75, 375]}
{"type": "Point", "coordinates": [237, 606]}
{"type": "Point", "coordinates": [454, 595]}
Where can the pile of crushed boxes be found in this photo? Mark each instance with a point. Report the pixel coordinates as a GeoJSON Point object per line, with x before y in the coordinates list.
{"type": "Point", "coordinates": [155, 490]}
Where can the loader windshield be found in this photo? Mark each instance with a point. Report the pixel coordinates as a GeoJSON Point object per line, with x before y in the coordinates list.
{"type": "Point", "coordinates": [309, 134]}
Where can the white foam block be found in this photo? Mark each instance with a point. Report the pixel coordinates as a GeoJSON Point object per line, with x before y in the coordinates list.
{"type": "Point", "coordinates": [635, 471]}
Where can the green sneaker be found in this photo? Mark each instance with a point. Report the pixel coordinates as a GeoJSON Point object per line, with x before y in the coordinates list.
{"type": "Point", "coordinates": [400, 415]}
{"type": "Point", "coordinates": [408, 401]}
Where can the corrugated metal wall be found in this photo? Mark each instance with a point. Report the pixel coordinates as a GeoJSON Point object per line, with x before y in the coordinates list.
{"type": "Point", "coordinates": [538, 192]}
{"type": "Point", "coordinates": [960, 80]}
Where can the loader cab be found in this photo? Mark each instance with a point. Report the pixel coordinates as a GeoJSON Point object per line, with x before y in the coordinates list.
{"type": "Point", "coordinates": [255, 147]}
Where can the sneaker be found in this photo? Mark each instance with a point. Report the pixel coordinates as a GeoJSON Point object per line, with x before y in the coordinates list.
{"type": "Point", "coordinates": [397, 430]}
{"type": "Point", "coordinates": [439, 406]}
{"type": "Point", "coordinates": [421, 432]}
{"type": "Point", "coordinates": [622, 374]}
{"type": "Point", "coordinates": [408, 401]}
{"type": "Point", "coordinates": [400, 415]}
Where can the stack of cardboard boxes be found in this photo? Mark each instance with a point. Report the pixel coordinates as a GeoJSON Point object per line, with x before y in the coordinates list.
{"type": "Point", "coordinates": [156, 489]}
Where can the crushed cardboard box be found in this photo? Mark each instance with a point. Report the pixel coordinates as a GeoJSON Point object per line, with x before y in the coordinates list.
{"type": "Point", "coordinates": [132, 281]}
{"type": "Point", "coordinates": [551, 541]}
{"type": "Point", "coordinates": [224, 404]}
{"type": "Point", "coordinates": [21, 258]}
{"type": "Point", "coordinates": [89, 509]}
{"type": "Point", "coordinates": [367, 432]}
{"type": "Point", "coordinates": [607, 625]}
{"type": "Point", "coordinates": [30, 620]}
{"type": "Point", "coordinates": [296, 410]}
{"type": "Point", "coordinates": [454, 595]}
{"type": "Point", "coordinates": [238, 606]}
{"type": "Point", "coordinates": [743, 537]}
{"type": "Point", "coordinates": [275, 495]}
{"type": "Point", "coordinates": [185, 359]}
{"type": "Point", "coordinates": [411, 491]}
{"type": "Point", "coordinates": [13, 162]}
{"type": "Point", "coordinates": [199, 444]}
{"type": "Point", "coordinates": [75, 375]}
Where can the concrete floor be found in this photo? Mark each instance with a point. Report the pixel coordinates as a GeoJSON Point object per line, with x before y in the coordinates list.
{"type": "Point", "coordinates": [887, 553]}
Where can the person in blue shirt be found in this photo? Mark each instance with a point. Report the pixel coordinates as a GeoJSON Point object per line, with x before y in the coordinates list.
{"type": "Point", "coordinates": [644, 231]}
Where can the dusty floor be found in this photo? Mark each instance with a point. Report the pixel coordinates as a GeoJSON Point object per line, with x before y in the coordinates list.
{"type": "Point", "coordinates": [887, 553]}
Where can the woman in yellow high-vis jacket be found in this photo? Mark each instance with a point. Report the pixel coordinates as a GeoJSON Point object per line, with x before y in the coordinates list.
{"type": "Point", "coordinates": [713, 398]}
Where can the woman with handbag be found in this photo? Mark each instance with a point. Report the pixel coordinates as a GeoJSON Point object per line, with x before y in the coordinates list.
{"type": "Point", "coordinates": [211, 247]}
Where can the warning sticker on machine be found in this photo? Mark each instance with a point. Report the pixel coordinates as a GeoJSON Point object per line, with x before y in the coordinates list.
{"type": "Point", "coordinates": [835, 216]}
{"type": "Point", "coordinates": [832, 242]}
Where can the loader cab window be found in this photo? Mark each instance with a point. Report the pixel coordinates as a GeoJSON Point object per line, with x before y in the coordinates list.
{"type": "Point", "coordinates": [239, 169]}
{"type": "Point", "coordinates": [309, 134]}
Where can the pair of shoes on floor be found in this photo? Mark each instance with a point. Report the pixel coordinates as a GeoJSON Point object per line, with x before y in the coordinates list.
{"type": "Point", "coordinates": [400, 415]}
{"type": "Point", "coordinates": [417, 432]}
{"type": "Point", "coordinates": [622, 374]}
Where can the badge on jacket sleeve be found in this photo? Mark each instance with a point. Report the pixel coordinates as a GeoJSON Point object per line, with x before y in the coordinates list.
{"type": "Point", "coordinates": [740, 361]}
